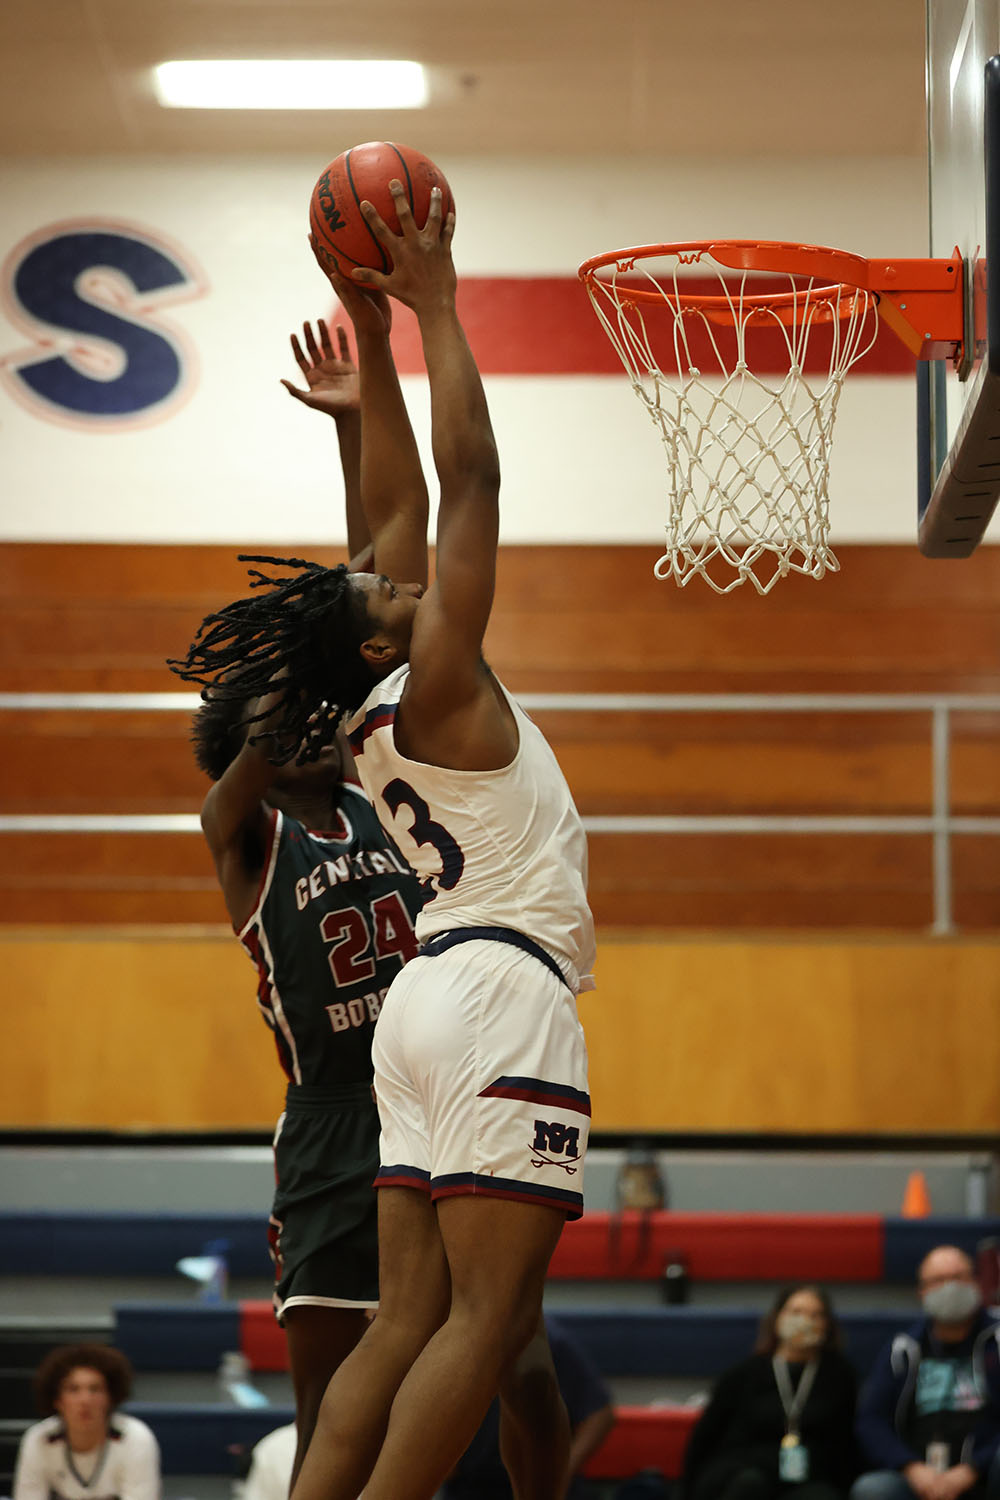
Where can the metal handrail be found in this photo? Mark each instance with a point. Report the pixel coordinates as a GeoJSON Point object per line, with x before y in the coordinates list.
{"type": "Point", "coordinates": [940, 822]}
{"type": "Point", "coordinates": [576, 702]}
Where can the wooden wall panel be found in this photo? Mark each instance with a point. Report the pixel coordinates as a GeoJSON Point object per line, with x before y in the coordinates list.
{"type": "Point", "coordinates": [105, 618]}
{"type": "Point", "coordinates": [91, 618]}
{"type": "Point", "coordinates": [796, 1036]}
{"type": "Point", "coordinates": [64, 878]}
{"type": "Point", "coordinates": [62, 761]}
{"type": "Point", "coordinates": [712, 763]}
{"type": "Point", "coordinates": [883, 1036]}
{"type": "Point", "coordinates": [649, 881]}
{"type": "Point", "coordinates": [587, 618]}
{"type": "Point", "coordinates": [121, 762]}
{"type": "Point", "coordinates": [138, 1033]}
{"type": "Point", "coordinates": [768, 881]}
{"type": "Point", "coordinates": [891, 620]}
{"type": "Point", "coordinates": [124, 1031]}
{"type": "Point", "coordinates": [976, 874]}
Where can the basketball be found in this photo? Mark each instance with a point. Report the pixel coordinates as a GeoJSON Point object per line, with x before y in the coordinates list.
{"type": "Point", "coordinates": [343, 239]}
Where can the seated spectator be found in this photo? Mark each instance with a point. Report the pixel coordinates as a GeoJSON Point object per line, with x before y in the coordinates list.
{"type": "Point", "coordinates": [85, 1449]}
{"type": "Point", "coordinates": [480, 1474]}
{"type": "Point", "coordinates": [271, 1464]}
{"type": "Point", "coordinates": [782, 1420]}
{"type": "Point", "coordinates": [929, 1413]}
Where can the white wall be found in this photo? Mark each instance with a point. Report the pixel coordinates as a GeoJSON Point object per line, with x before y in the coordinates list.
{"type": "Point", "coordinates": [238, 461]}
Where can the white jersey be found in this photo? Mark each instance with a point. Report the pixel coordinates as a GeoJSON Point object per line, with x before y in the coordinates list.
{"type": "Point", "coordinates": [499, 848]}
{"type": "Point", "coordinates": [126, 1468]}
{"type": "Point", "coordinates": [271, 1465]}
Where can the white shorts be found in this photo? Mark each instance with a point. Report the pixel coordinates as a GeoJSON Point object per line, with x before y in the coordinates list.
{"type": "Point", "coordinates": [481, 1078]}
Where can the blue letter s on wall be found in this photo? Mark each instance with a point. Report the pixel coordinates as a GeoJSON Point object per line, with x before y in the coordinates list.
{"type": "Point", "coordinates": [85, 293]}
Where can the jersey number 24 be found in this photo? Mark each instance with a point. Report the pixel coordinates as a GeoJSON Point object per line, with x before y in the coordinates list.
{"type": "Point", "coordinates": [358, 944]}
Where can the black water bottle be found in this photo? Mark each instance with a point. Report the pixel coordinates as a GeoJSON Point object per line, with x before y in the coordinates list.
{"type": "Point", "coordinates": [675, 1283]}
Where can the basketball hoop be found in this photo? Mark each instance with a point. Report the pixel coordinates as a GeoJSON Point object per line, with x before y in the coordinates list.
{"type": "Point", "coordinates": [738, 350]}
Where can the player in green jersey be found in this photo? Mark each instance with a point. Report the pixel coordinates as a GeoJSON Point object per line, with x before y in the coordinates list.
{"type": "Point", "coordinates": [325, 906]}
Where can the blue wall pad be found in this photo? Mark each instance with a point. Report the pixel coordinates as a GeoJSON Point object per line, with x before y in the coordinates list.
{"type": "Point", "coordinates": [86, 1244]}
{"type": "Point", "coordinates": [168, 1336]}
{"type": "Point", "coordinates": [199, 1439]}
{"type": "Point", "coordinates": [907, 1241]}
{"type": "Point", "coordinates": [40, 1242]}
{"type": "Point", "coordinates": [624, 1341]}
{"type": "Point", "coordinates": [685, 1341]}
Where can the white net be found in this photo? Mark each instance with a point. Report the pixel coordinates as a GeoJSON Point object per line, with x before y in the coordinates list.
{"type": "Point", "coordinates": [748, 454]}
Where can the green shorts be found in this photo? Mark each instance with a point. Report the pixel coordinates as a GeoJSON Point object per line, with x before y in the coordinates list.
{"type": "Point", "coordinates": [324, 1231]}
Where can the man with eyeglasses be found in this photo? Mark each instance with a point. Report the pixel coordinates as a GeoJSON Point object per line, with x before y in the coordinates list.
{"type": "Point", "coordinates": [929, 1413]}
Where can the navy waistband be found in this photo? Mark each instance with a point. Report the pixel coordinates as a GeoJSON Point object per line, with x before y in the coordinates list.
{"type": "Point", "coordinates": [441, 941]}
{"type": "Point", "coordinates": [314, 1097]}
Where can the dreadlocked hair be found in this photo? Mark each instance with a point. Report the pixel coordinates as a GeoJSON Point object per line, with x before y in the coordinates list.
{"type": "Point", "coordinates": [298, 639]}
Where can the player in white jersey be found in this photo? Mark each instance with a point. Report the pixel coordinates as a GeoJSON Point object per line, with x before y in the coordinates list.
{"type": "Point", "coordinates": [480, 1069]}
{"type": "Point", "coordinates": [480, 1063]}
{"type": "Point", "coordinates": [508, 849]}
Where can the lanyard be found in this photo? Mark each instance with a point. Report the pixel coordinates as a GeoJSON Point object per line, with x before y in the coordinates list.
{"type": "Point", "coordinates": [793, 1403]}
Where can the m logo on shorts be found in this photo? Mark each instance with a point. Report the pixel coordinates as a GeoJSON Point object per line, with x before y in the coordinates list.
{"type": "Point", "coordinates": [553, 1140]}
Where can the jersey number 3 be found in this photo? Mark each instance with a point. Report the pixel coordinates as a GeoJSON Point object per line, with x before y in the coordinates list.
{"type": "Point", "coordinates": [423, 830]}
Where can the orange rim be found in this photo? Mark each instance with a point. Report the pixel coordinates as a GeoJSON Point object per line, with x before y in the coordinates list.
{"type": "Point", "coordinates": [840, 271]}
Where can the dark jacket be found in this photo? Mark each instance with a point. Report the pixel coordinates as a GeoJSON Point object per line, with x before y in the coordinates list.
{"type": "Point", "coordinates": [480, 1473]}
{"type": "Point", "coordinates": [886, 1402]}
{"type": "Point", "coordinates": [744, 1422]}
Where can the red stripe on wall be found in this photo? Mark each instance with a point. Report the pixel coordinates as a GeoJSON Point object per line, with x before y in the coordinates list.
{"type": "Point", "coordinates": [545, 325]}
{"type": "Point", "coordinates": [723, 1247]}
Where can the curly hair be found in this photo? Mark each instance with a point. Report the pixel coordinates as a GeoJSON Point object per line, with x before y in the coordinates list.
{"type": "Point", "coordinates": [767, 1337]}
{"type": "Point", "coordinates": [61, 1362]}
{"type": "Point", "coordinates": [300, 639]}
{"type": "Point", "coordinates": [218, 732]}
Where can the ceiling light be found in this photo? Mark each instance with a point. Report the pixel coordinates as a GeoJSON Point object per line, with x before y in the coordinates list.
{"type": "Point", "coordinates": [273, 84]}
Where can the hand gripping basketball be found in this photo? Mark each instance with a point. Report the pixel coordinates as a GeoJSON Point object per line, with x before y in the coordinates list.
{"type": "Point", "coordinates": [343, 239]}
{"type": "Point", "coordinates": [422, 268]}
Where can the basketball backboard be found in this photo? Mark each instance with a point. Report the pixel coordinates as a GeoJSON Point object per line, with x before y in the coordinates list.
{"type": "Point", "coordinates": [959, 410]}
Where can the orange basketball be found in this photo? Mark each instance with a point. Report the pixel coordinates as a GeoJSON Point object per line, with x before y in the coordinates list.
{"type": "Point", "coordinates": [343, 239]}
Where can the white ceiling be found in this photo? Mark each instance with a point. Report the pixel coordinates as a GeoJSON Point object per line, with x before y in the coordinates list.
{"type": "Point", "coordinates": [741, 78]}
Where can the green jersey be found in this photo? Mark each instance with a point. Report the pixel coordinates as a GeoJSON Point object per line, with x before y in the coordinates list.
{"type": "Point", "coordinates": [332, 927]}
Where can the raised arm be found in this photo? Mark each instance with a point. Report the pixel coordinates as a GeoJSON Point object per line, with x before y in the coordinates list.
{"type": "Point", "coordinates": [468, 468]}
{"type": "Point", "coordinates": [234, 818]}
{"type": "Point", "coordinates": [331, 378]}
{"type": "Point", "coordinates": [447, 640]}
{"type": "Point", "coordinates": [393, 488]}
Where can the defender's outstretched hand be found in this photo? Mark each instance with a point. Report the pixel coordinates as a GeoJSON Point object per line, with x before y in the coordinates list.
{"type": "Point", "coordinates": [331, 375]}
{"type": "Point", "coordinates": [422, 270]}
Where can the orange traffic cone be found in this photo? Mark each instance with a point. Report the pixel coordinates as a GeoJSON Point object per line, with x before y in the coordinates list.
{"type": "Point", "coordinates": [916, 1198]}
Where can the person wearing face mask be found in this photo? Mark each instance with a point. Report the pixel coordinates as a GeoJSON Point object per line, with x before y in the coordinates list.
{"type": "Point", "coordinates": [781, 1422]}
{"type": "Point", "coordinates": [929, 1413]}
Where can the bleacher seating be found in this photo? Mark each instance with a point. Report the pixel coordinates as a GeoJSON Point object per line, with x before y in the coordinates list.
{"type": "Point", "coordinates": [597, 1247]}
{"type": "Point", "coordinates": [629, 1341]}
